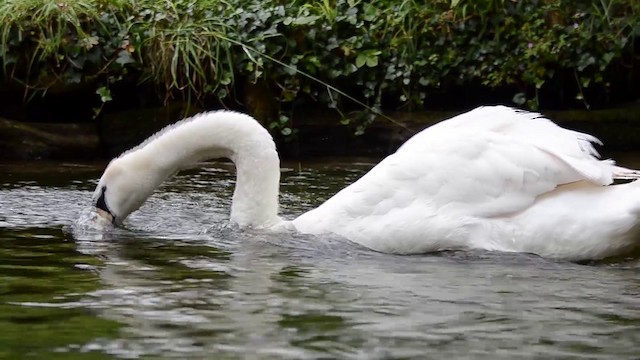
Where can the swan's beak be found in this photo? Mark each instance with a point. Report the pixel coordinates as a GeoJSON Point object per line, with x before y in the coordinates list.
{"type": "Point", "coordinates": [104, 215]}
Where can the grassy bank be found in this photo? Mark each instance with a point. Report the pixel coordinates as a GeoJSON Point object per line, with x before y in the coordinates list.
{"type": "Point", "coordinates": [386, 54]}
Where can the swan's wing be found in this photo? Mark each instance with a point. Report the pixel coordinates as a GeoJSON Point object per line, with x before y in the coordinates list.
{"type": "Point", "coordinates": [486, 175]}
{"type": "Point", "coordinates": [489, 162]}
{"type": "Point", "coordinates": [574, 148]}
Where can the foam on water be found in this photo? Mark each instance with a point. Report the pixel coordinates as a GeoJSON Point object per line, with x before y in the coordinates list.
{"type": "Point", "coordinates": [90, 220]}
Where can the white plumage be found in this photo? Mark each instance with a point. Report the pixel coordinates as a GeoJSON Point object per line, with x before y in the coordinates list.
{"type": "Point", "coordinates": [493, 178]}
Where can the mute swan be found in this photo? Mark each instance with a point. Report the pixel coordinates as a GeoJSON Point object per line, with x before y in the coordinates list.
{"type": "Point", "coordinates": [494, 178]}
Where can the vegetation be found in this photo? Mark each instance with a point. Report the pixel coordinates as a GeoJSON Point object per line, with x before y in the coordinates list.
{"type": "Point", "coordinates": [386, 54]}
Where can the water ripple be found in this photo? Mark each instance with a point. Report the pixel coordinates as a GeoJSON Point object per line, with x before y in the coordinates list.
{"type": "Point", "coordinates": [180, 282]}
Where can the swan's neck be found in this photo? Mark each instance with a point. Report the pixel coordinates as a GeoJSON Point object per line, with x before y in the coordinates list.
{"type": "Point", "coordinates": [255, 199]}
{"type": "Point", "coordinates": [215, 135]}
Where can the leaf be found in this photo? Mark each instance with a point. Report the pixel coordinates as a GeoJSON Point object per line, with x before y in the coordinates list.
{"type": "Point", "coordinates": [89, 42]}
{"type": "Point", "coordinates": [74, 78]}
{"type": "Point", "coordinates": [368, 57]}
{"type": "Point", "coordinates": [222, 93]}
{"type": "Point", "coordinates": [305, 20]}
{"type": "Point", "coordinates": [226, 78]}
{"type": "Point", "coordinates": [519, 98]}
{"type": "Point", "coordinates": [370, 12]}
{"type": "Point", "coordinates": [124, 58]}
{"type": "Point", "coordinates": [104, 93]}
{"type": "Point", "coordinates": [361, 59]}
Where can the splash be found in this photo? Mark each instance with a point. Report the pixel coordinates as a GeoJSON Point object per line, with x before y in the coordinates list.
{"type": "Point", "coordinates": [90, 220]}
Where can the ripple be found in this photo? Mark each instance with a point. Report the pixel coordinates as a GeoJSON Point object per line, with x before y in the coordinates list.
{"type": "Point", "coordinates": [178, 281]}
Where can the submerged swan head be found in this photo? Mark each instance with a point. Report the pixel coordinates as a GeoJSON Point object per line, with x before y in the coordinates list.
{"type": "Point", "coordinates": [131, 178]}
{"type": "Point", "coordinates": [122, 189]}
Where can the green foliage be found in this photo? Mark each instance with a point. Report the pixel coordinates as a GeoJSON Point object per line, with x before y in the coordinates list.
{"type": "Point", "coordinates": [46, 43]}
{"type": "Point", "coordinates": [389, 53]}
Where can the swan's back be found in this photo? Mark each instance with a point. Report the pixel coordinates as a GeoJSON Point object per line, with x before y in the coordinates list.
{"type": "Point", "coordinates": [462, 183]}
{"type": "Point", "coordinates": [527, 128]}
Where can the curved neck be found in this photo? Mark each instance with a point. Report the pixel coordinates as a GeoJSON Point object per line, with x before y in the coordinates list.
{"type": "Point", "coordinates": [219, 134]}
{"type": "Point", "coordinates": [255, 198]}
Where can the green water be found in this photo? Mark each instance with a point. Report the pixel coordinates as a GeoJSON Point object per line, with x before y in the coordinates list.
{"type": "Point", "coordinates": [177, 283]}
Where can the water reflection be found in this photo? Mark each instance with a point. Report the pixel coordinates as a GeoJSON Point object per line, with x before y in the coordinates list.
{"type": "Point", "coordinates": [179, 283]}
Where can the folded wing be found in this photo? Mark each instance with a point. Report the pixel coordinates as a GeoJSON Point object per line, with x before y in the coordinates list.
{"type": "Point", "coordinates": [488, 162]}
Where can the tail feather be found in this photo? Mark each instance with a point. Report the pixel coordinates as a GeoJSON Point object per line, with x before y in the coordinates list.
{"type": "Point", "coordinates": [622, 173]}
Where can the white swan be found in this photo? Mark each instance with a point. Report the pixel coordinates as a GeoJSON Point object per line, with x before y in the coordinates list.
{"type": "Point", "coordinates": [494, 178]}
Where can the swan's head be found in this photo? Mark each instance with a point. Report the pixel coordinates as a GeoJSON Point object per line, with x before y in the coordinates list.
{"type": "Point", "coordinates": [122, 189]}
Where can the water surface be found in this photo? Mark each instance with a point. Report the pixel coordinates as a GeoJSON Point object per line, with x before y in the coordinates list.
{"type": "Point", "coordinates": [179, 283]}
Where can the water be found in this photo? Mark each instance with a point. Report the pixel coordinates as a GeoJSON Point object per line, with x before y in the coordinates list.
{"type": "Point", "coordinates": [178, 283]}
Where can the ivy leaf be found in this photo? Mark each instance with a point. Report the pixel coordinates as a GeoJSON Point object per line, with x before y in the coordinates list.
{"type": "Point", "coordinates": [368, 57]}
{"type": "Point", "coordinates": [104, 93]}
{"type": "Point", "coordinates": [305, 20]}
{"type": "Point", "coordinates": [519, 98]}
{"type": "Point", "coordinates": [74, 78]}
{"type": "Point", "coordinates": [226, 78]}
{"type": "Point", "coordinates": [124, 58]}
{"type": "Point", "coordinates": [372, 61]}
{"type": "Point", "coordinates": [361, 60]}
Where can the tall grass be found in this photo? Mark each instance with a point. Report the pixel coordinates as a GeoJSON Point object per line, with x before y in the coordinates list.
{"type": "Point", "coordinates": [182, 48]}
{"type": "Point", "coordinates": [173, 43]}
{"type": "Point", "coordinates": [39, 34]}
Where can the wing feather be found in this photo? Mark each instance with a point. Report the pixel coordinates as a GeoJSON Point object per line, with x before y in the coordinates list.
{"type": "Point", "coordinates": [489, 162]}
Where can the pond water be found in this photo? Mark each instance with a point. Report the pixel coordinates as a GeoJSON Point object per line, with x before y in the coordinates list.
{"type": "Point", "coordinates": [178, 283]}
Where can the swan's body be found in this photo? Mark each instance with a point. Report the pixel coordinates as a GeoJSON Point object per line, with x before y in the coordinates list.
{"type": "Point", "coordinates": [494, 178]}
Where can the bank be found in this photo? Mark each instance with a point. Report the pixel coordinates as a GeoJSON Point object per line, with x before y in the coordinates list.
{"type": "Point", "coordinates": [319, 132]}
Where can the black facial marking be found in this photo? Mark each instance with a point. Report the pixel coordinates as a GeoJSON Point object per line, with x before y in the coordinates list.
{"type": "Point", "coordinates": [102, 204]}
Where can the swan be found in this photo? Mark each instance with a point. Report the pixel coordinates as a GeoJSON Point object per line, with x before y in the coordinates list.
{"type": "Point", "coordinates": [494, 178]}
